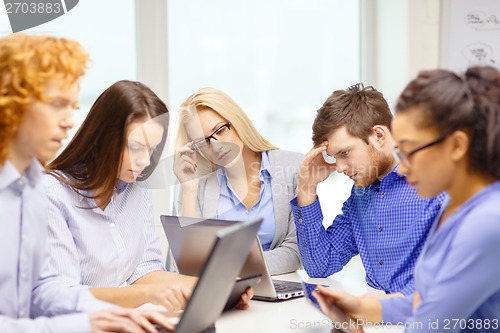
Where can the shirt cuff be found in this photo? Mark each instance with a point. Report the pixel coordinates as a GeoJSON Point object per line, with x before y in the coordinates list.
{"type": "Point", "coordinates": [74, 323]}
{"type": "Point", "coordinates": [397, 309]}
{"type": "Point", "coordinates": [144, 269]}
{"type": "Point", "coordinates": [306, 214]}
{"type": "Point", "coordinates": [88, 303]}
{"type": "Point", "coordinates": [409, 289]}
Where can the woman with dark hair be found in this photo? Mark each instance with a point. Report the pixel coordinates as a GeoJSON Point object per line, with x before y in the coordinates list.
{"type": "Point", "coordinates": [447, 130]}
{"type": "Point", "coordinates": [100, 215]}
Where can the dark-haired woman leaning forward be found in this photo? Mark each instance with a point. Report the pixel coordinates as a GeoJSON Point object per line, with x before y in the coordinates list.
{"type": "Point", "coordinates": [447, 128]}
{"type": "Point", "coordinates": [100, 209]}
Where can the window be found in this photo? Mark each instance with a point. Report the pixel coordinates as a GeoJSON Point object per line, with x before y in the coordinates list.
{"type": "Point", "coordinates": [106, 29]}
{"type": "Point", "coordinates": [279, 60]}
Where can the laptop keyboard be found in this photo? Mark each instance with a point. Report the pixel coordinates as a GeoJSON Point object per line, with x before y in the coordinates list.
{"type": "Point", "coordinates": [286, 286]}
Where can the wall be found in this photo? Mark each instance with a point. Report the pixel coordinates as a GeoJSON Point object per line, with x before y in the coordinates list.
{"type": "Point", "coordinates": [401, 37]}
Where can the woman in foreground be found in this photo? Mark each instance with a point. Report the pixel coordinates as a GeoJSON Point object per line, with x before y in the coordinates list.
{"type": "Point", "coordinates": [447, 130]}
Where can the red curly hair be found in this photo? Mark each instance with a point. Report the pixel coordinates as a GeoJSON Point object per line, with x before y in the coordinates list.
{"type": "Point", "coordinates": [26, 64]}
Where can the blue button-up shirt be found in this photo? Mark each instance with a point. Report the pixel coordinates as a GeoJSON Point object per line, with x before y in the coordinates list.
{"type": "Point", "coordinates": [386, 223]}
{"type": "Point", "coordinates": [458, 272]}
{"type": "Point", "coordinates": [102, 248]}
{"type": "Point", "coordinates": [28, 287]}
{"type": "Point", "coordinates": [230, 206]}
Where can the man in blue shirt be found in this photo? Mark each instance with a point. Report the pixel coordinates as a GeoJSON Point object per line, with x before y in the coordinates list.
{"type": "Point", "coordinates": [384, 220]}
{"type": "Point", "coordinates": [39, 90]}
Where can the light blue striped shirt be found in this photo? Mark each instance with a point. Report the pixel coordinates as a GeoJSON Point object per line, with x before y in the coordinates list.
{"type": "Point", "coordinates": [28, 287]}
{"type": "Point", "coordinates": [230, 206]}
{"type": "Point", "coordinates": [102, 248]}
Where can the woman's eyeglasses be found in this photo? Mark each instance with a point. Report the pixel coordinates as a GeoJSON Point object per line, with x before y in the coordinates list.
{"type": "Point", "coordinates": [202, 144]}
{"type": "Point", "coordinates": [402, 157]}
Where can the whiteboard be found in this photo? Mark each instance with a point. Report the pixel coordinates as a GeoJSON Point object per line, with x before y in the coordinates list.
{"type": "Point", "coordinates": [470, 33]}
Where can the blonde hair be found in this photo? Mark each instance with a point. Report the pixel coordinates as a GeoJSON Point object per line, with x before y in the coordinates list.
{"type": "Point", "coordinates": [26, 64]}
{"type": "Point", "coordinates": [226, 107]}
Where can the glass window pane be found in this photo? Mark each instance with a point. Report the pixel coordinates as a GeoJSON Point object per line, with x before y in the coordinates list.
{"type": "Point", "coordinates": [106, 29]}
{"type": "Point", "coordinates": [279, 60]}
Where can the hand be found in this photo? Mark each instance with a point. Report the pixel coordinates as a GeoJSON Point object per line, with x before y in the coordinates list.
{"type": "Point", "coordinates": [172, 297]}
{"type": "Point", "coordinates": [185, 168]}
{"type": "Point", "coordinates": [365, 309]}
{"type": "Point", "coordinates": [416, 300]}
{"type": "Point", "coordinates": [379, 296]}
{"type": "Point", "coordinates": [245, 299]}
{"type": "Point", "coordinates": [127, 320]}
{"type": "Point", "coordinates": [313, 170]}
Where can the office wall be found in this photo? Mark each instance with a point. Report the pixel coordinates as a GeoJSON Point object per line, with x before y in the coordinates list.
{"type": "Point", "coordinates": [109, 39]}
{"type": "Point", "coordinates": [401, 38]}
{"type": "Point", "coordinates": [469, 34]}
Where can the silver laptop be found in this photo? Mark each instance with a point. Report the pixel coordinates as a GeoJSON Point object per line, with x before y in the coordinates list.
{"type": "Point", "coordinates": [225, 258]}
{"type": "Point", "coordinates": [190, 240]}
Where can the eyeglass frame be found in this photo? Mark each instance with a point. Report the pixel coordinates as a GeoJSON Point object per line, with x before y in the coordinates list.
{"type": "Point", "coordinates": [403, 157]}
{"type": "Point", "coordinates": [198, 145]}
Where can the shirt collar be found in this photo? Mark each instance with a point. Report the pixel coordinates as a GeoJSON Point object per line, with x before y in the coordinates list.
{"type": "Point", "coordinates": [9, 173]}
{"type": "Point", "coordinates": [221, 173]}
{"type": "Point", "coordinates": [120, 187]}
{"type": "Point", "coordinates": [392, 175]}
{"type": "Point", "coordinates": [265, 166]}
{"type": "Point", "coordinates": [459, 213]}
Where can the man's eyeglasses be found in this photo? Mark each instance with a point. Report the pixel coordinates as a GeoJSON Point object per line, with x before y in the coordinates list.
{"type": "Point", "coordinates": [201, 144]}
{"type": "Point", "coordinates": [404, 158]}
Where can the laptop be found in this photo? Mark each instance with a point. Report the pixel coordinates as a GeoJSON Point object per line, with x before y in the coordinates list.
{"type": "Point", "coordinates": [190, 240]}
{"type": "Point", "coordinates": [218, 274]}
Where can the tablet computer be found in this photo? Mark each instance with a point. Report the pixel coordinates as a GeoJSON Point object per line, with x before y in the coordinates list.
{"type": "Point", "coordinates": [239, 288]}
{"type": "Point", "coordinates": [341, 322]}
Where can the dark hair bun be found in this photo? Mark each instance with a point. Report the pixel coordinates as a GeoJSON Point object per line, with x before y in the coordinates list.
{"type": "Point", "coordinates": [484, 84]}
{"type": "Point", "coordinates": [450, 102]}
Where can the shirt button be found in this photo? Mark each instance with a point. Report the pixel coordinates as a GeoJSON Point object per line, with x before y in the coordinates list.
{"type": "Point", "coordinates": [21, 313]}
{"type": "Point", "coordinates": [20, 182]}
{"type": "Point", "coordinates": [119, 276]}
{"type": "Point", "coordinates": [23, 276]}
{"type": "Point", "coordinates": [300, 220]}
{"type": "Point", "coordinates": [383, 195]}
{"type": "Point", "coordinates": [112, 224]}
{"type": "Point", "coordinates": [23, 236]}
{"type": "Point", "coordinates": [381, 262]}
{"type": "Point", "coordinates": [380, 229]}
{"type": "Point", "coordinates": [305, 244]}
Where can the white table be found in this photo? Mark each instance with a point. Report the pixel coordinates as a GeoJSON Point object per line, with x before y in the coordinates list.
{"type": "Point", "coordinates": [295, 315]}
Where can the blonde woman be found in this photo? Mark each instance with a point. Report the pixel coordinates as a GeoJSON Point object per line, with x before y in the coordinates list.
{"type": "Point", "coordinates": [227, 170]}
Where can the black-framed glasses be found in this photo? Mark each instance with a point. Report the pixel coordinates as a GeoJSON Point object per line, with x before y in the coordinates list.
{"type": "Point", "coordinates": [403, 157]}
{"type": "Point", "coordinates": [201, 144]}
